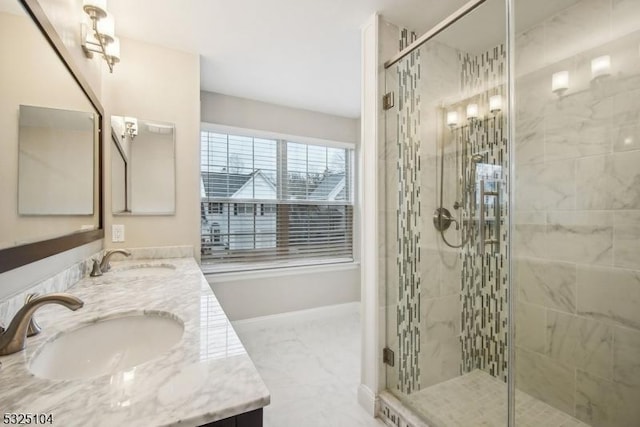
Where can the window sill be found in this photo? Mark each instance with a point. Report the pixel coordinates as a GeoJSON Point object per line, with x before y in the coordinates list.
{"type": "Point", "coordinates": [244, 272]}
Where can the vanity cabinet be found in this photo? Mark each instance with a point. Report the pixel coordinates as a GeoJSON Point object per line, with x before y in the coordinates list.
{"type": "Point", "coordinates": [248, 419]}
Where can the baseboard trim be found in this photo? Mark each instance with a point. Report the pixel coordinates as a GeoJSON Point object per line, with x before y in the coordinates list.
{"type": "Point", "coordinates": [296, 316]}
{"type": "Point", "coordinates": [368, 400]}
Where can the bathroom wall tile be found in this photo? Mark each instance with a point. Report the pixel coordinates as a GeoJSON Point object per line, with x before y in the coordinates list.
{"type": "Point", "coordinates": [609, 182]}
{"type": "Point", "coordinates": [626, 107]}
{"type": "Point", "coordinates": [624, 13]}
{"type": "Point", "coordinates": [611, 294]}
{"type": "Point", "coordinates": [585, 24]}
{"type": "Point", "coordinates": [529, 137]}
{"type": "Point", "coordinates": [531, 327]}
{"type": "Point", "coordinates": [626, 356]}
{"type": "Point", "coordinates": [549, 185]}
{"type": "Point", "coordinates": [580, 342]}
{"type": "Point", "coordinates": [160, 252]}
{"type": "Point", "coordinates": [450, 272]}
{"type": "Point", "coordinates": [523, 217]}
{"type": "Point", "coordinates": [440, 360]}
{"type": "Point", "coordinates": [626, 138]}
{"type": "Point", "coordinates": [429, 273]}
{"type": "Point", "coordinates": [601, 402]}
{"type": "Point", "coordinates": [626, 237]}
{"type": "Point", "coordinates": [547, 283]}
{"type": "Point", "coordinates": [441, 318]}
{"type": "Point", "coordinates": [529, 45]}
{"type": "Point", "coordinates": [577, 125]}
{"type": "Point", "coordinates": [545, 379]}
{"type": "Point", "coordinates": [530, 240]}
{"type": "Point", "coordinates": [580, 236]}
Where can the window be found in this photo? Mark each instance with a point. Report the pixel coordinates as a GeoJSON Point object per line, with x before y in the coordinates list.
{"type": "Point", "coordinates": [274, 200]}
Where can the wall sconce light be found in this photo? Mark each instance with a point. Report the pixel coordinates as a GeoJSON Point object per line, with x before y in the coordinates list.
{"type": "Point", "coordinates": [600, 66]}
{"type": "Point", "coordinates": [472, 111]}
{"type": "Point", "coordinates": [452, 118]}
{"type": "Point", "coordinates": [100, 38]}
{"type": "Point", "coordinates": [495, 103]}
{"type": "Point", "coordinates": [560, 82]}
{"type": "Point", "coordinates": [130, 127]}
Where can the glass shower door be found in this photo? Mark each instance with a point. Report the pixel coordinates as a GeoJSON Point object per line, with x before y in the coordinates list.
{"type": "Point", "coordinates": [446, 223]}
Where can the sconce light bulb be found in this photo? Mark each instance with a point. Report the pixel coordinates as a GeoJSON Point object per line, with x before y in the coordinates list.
{"type": "Point", "coordinates": [96, 9]}
{"type": "Point", "coordinates": [560, 82]}
{"type": "Point", "coordinates": [112, 51]}
{"type": "Point", "coordinates": [600, 66]}
{"type": "Point", "coordinates": [452, 118]}
{"type": "Point", "coordinates": [472, 111]}
{"type": "Point", "coordinates": [107, 28]}
{"type": "Point", "coordinates": [495, 103]}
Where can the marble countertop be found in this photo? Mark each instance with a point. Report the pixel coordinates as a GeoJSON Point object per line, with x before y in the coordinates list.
{"type": "Point", "coordinates": [205, 377]}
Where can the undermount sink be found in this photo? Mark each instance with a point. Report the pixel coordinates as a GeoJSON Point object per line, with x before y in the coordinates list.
{"type": "Point", "coordinates": [145, 270]}
{"type": "Point", "coordinates": [107, 346]}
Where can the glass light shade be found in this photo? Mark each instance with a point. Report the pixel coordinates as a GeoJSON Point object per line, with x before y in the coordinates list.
{"type": "Point", "coordinates": [452, 118]}
{"type": "Point", "coordinates": [600, 66]}
{"type": "Point", "coordinates": [97, 8]}
{"type": "Point", "coordinates": [560, 81]}
{"type": "Point", "coordinates": [113, 50]}
{"type": "Point", "coordinates": [107, 28]}
{"type": "Point", "coordinates": [495, 103]}
{"type": "Point", "coordinates": [472, 111]}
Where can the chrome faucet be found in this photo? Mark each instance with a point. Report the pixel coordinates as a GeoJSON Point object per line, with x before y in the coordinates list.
{"type": "Point", "coordinates": [13, 338]}
{"type": "Point", "coordinates": [104, 264]}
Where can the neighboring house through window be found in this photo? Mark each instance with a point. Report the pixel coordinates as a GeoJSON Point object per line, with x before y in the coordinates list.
{"type": "Point", "coordinates": [272, 200]}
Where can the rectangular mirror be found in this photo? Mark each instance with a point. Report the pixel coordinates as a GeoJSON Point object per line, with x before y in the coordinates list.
{"type": "Point", "coordinates": [55, 163]}
{"type": "Point", "coordinates": [50, 140]}
{"type": "Point", "coordinates": [143, 171]}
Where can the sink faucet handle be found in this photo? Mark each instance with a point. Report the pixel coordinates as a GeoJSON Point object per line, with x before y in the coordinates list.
{"type": "Point", "coordinates": [33, 328]}
{"type": "Point", "coordinates": [96, 271]}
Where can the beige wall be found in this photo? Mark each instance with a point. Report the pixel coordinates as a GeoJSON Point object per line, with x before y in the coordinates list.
{"type": "Point", "coordinates": [157, 83]}
{"type": "Point", "coordinates": [150, 82]}
{"type": "Point", "coordinates": [249, 114]}
{"type": "Point", "coordinates": [21, 82]}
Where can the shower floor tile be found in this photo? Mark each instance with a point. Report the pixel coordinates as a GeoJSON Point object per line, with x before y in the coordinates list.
{"type": "Point", "coordinates": [478, 399]}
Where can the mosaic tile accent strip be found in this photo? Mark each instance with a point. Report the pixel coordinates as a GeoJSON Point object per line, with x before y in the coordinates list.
{"type": "Point", "coordinates": [479, 399]}
{"type": "Point", "coordinates": [408, 223]}
{"type": "Point", "coordinates": [484, 276]}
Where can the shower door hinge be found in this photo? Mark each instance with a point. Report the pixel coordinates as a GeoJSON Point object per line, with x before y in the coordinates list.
{"type": "Point", "coordinates": [388, 356]}
{"type": "Point", "coordinates": [387, 101]}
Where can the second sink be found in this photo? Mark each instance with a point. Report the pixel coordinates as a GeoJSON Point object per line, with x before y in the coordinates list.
{"type": "Point", "coordinates": [107, 346]}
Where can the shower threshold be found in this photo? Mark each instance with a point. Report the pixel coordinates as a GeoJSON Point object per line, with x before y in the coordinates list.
{"type": "Point", "coordinates": [478, 399]}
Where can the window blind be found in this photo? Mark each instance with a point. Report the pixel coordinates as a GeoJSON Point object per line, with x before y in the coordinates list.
{"type": "Point", "coordinates": [270, 201]}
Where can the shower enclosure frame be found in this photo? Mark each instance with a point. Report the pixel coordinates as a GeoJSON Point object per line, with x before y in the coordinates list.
{"type": "Point", "coordinates": [510, 87]}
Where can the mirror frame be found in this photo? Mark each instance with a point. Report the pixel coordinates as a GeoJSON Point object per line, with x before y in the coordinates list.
{"type": "Point", "coordinates": [18, 256]}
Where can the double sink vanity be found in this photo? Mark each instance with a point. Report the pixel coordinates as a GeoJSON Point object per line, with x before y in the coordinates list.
{"type": "Point", "coordinates": [150, 346]}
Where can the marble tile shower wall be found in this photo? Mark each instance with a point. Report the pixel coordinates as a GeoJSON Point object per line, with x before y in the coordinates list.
{"type": "Point", "coordinates": [577, 241]}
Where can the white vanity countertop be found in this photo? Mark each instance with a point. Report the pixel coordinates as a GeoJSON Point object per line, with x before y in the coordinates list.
{"type": "Point", "coordinates": [206, 377]}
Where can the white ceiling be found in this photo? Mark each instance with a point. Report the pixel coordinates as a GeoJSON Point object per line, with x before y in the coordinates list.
{"type": "Point", "coordinates": [298, 53]}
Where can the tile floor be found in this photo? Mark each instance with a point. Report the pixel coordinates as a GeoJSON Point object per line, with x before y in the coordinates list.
{"type": "Point", "coordinates": [311, 367]}
{"type": "Point", "coordinates": [478, 399]}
